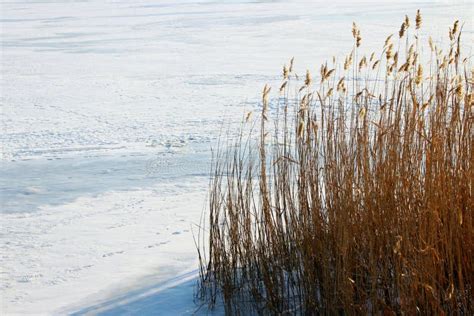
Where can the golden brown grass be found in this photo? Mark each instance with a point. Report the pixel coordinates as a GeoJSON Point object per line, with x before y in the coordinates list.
{"type": "Point", "coordinates": [356, 194]}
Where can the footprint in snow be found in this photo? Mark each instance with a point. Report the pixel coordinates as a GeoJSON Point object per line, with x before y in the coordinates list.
{"type": "Point", "coordinates": [157, 244]}
{"type": "Point", "coordinates": [112, 254]}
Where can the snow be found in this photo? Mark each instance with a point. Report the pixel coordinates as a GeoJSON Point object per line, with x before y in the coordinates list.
{"type": "Point", "coordinates": [109, 111]}
{"type": "Point", "coordinates": [105, 240]}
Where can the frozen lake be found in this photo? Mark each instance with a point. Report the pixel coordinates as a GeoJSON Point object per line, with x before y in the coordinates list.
{"type": "Point", "coordinates": [109, 111]}
{"type": "Point", "coordinates": [28, 185]}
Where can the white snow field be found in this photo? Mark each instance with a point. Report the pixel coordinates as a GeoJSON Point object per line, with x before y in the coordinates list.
{"type": "Point", "coordinates": [109, 110]}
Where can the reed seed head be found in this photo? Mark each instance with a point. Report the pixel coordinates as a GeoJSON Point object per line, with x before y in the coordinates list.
{"type": "Point", "coordinates": [455, 27]}
{"type": "Point", "coordinates": [356, 34]}
{"type": "Point", "coordinates": [387, 40]}
{"type": "Point", "coordinates": [375, 64]}
{"type": "Point", "coordinates": [419, 75]}
{"type": "Point", "coordinates": [362, 63]}
{"type": "Point", "coordinates": [265, 97]}
{"type": "Point", "coordinates": [418, 19]}
{"type": "Point", "coordinates": [388, 52]}
{"type": "Point", "coordinates": [355, 30]}
{"type": "Point", "coordinates": [285, 72]}
{"type": "Point", "coordinates": [348, 60]}
{"type": "Point", "coordinates": [402, 30]}
{"type": "Point", "coordinates": [430, 42]}
{"type": "Point", "coordinates": [395, 59]}
{"type": "Point", "coordinates": [308, 79]}
{"type": "Point", "coordinates": [341, 86]}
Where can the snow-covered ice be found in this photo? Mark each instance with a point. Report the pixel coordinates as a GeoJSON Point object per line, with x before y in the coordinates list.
{"type": "Point", "coordinates": [109, 110]}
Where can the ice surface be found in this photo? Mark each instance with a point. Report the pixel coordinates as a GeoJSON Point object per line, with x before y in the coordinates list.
{"type": "Point", "coordinates": [109, 111]}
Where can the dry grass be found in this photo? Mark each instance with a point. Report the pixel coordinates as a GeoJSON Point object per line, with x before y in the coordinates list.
{"type": "Point", "coordinates": [356, 194]}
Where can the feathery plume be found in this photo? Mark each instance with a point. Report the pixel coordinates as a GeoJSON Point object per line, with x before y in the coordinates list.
{"type": "Point", "coordinates": [402, 30]}
{"type": "Point", "coordinates": [308, 79]}
{"type": "Point", "coordinates": [419, 75]}
{"type": "Point", "coordinates": [418, 19]}
{"type": "Point", "coordinates": [407, 21]}
{"type": "Point", "coordinates": [285, 72]}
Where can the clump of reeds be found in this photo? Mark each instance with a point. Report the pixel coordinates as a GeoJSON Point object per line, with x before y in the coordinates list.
{"type": "Point", "coordinates": [356, 194]}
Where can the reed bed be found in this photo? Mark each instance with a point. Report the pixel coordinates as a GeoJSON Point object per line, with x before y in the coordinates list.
{"type": "Point", "coordinates": [351, 193]}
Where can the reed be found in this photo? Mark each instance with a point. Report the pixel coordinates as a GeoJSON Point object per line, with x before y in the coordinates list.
{"type": "Point", "coordinates": [355, 194]}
